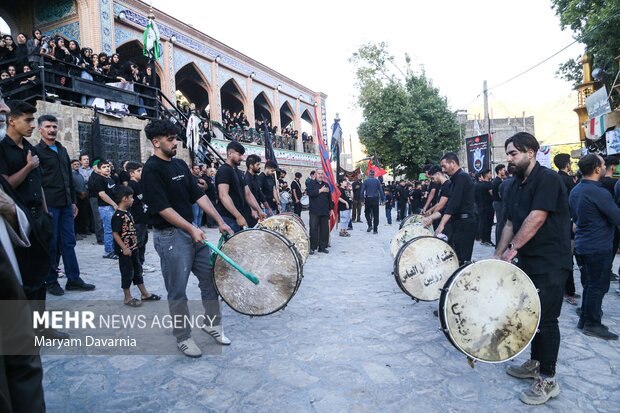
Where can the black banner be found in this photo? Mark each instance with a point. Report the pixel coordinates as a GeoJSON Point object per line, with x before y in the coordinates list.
{"type": "Point", "coordinates": [477, 149]}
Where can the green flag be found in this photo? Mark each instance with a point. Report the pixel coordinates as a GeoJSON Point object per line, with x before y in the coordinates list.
{"type": "Point", "coordinates": [150, 39]}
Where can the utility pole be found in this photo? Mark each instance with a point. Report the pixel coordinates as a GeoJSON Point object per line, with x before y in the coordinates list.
{"type": "Point", "coordinates": [487, 122]}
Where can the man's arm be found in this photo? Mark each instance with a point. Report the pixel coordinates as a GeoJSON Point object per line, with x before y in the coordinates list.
{"type": "Point", "coordinates": [251, 200]}
{"type": "Point", "coordinates": [105, 198]}
{"type": "Point", "coordinates": [431, 195]}
{"type": "Point", "coordinates": [504, 239]}
{"type": "Point", "coordinates": [534, 220]}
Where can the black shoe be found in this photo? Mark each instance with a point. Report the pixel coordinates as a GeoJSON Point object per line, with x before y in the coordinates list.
{"type": "Point", "coordinates": [578, 311]}
{"type": "Point", "coordinates": [581, 324]}
{"type": "Point", "coordinates": [436, 313]}
{"type": "Point", "coordinates": [78, 284]}
{"type": "Point", "coordinates": [324, 251]}
{"type": "Point", "coordinates": [375, 231]}
{"type": "Point", "coordinates": [51, 333]}
{"type": "Point", "coordinates": [599, 332]}
{"type": "Point", "coordinates": [99, 242]}
{"type": "Point", "coordinates": [311, 252]}
{"type": "Point", "coordinates": [369, 229]}
{"type": "Point", "coordinates": [55, 289]}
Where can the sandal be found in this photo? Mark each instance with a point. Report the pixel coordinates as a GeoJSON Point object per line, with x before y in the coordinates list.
{"type": "Point", "coordinates": [152, 297]}
{"type": "Point", "coordinates": [571, 300]}
{"type": "Point", "coordinates": [134, 303]}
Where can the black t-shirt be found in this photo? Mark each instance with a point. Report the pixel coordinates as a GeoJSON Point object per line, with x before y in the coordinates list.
{"type": "Point", "coordinates": [357, 186]}
{"type": "Point", "coordinates": [462, 194]}
{"type": "Point", "coordinates": [122, 223]}
{"type": "Point", "coordinates": [432, 186]}
{"type": "Point", "coordinates": [168, 184]}
{"type": "Point", "coordinates": [549, 249]}
{"type": "Point", "coordinates": [226, 174]}
{"type": "Point", "coordinates": [569, 181]}
{"type": "Point", "coordinates": [296, 188]}
{"type": "Point", "coordinates": [123, 177]}
{"type": "Point", "coordinates": [497, 181]}
{"type": "Point", "coordinates": [415, 197]}
{"type": "Point", "coordinates": [267, 183]}
{"type": "Point", "coordinates": [99, 183]}
{"type": "Point", "coordinates": [608, 183]}
{"type": "Point", "coordinates": [484, 200]}
{"type": "Point", "coordinates": [445, 191]}
{"type": "Point", "coordinates": [346, 196]}
{"type": "Point", "coordinates": [12, 160]}
{"type": "Point", "coordinates": [138, 209]}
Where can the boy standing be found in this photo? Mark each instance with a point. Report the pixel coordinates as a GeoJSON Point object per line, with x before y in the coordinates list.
{"type": "Point", "coordinates": [126, 247]}
{"type": "Point", "coordinates": [138, 211]}
{"type": "Point", "coordinates": [388, 206]}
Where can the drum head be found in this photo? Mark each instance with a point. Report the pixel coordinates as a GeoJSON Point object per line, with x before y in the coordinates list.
{"type": "Point", "coordinates": [423, 265]}
{"type": "Point", "coordinates": [271, 258]}
{"type": "Point", "coordinates": [407, 233]}
{"type": "Point", "coordinates": [305, 202]}
{"type": "Point", "coordinates": [490, 310]}
{"type": "Point", "coordinates": [411, 219]}
{"type": "Point", "coordinates": [295, 217]}
{"type": "Point", "coordinates": [288, 226]}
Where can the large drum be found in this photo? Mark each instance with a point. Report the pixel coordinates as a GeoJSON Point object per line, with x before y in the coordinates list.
{"type": "Point", "coordinates": [412, 219]}
{"type": "Point", "coordinates": [490, 310]}
{"type": "Point", "coordinates": [288, 225]}
{"type": "Point", "coordinates": [407, 233]}
{"type": "Point", "coordinates": [422, 267]}
{"type": "Point", "coordinates": [271, 258]}
{"type": "Point", "coordinates": [305, 202]}
{"type": "Point", "coordinates": [295, 217]}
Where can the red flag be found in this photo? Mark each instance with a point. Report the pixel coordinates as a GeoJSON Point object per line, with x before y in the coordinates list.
{"type": "Point", "coordinates": [329, 173]}
{"type": "Point", "coordinates": [378, 171]}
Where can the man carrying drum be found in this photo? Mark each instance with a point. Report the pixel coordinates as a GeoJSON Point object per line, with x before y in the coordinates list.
{"type": "Point", "coordinates": [170, 191]}
{"type": "Point", "coordinates": [536, 233]}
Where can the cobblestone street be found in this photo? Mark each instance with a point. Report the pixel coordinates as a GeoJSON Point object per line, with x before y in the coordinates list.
{"type": "Point", "coordinates": [349, 341]}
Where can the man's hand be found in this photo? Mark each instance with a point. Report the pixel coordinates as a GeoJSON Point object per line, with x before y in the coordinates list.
{"type": "Point", "coordinates": [202, 184]}
{"type": "Point", "coordinates": [439, 230]}
{"type": "Point", "coordinates": [32, 161]}
{"type": "Point", "coordinates": [509, 254]}
{"type": "Point", "coordinates": [323, 189]}
{"type": "Point", "coordinates": [225, 229]}
{"type": "Point", "coordinates": [126, 252]}
{"type": "Point", "coordinates": [197, 234]}
{"type": "Point", "coordinates": [262, 215]}
{"type": "Point", "coordinates": [241, 221]}
{"type": "Point", "coordinates": [427, 222]}
{"type": "Point", "coordinates": [7, 206]}
{"type": "Point", "coordinates": [254, 214]}
{"type": "Point", "coordinates": [75, 211]}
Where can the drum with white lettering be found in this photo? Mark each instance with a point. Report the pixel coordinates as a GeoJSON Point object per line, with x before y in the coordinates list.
{"type": "Point", "coordinates": [269, 256]}
{"type": "Point", "coordinates": [407, 233]}
{"type": "Point", "coordinates": [422, 267]}
{"type": "Point", "coordinates": [288, 225]}
{"type": "Point", "coordinates": [412, 219]}
{"type": "Point", "coordinates": [490, 310]}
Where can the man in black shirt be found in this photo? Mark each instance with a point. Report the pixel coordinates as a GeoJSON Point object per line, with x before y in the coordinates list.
{"type": "Point", "coordinates": [169, 192]}
{"type": "Point", "coordinates": [320, 207]}
{"type": "Point", "coordinates": [484, 205]}
{"type": "Point", "coordinates": [415, 198]}
{"type": "Point", "coordinates": [402, 198]}
{"type": "Point", "coordinates": [500, 175]}
{"type": "Point", "coordinates": [138, 211]}
{"type": "Point", "coordinates": [459, 210]}
{"type": "Point", "coordinates": [101, 185]}
{"type": "Point", "coordinates": [61, 201]}
{"type": "Point", "coordinates": [297, 193]}
{"type": "Point", "coordinates": [537, 232]}
{"type": "Point", "coordinates": [609, 182]}
{"type": "Point", "coordinates": [434, 214]}
{"type": "Point", "coordinates": [357, 200]}
{"type": "Point", "coordinates": [267, 181]}
{"type": "Point", "coordinates": [236, 200]}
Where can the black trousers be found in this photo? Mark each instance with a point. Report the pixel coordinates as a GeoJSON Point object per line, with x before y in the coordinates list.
{"type": "Point", "coordinates": [319, 232]}
{"type": "Point", "coordinates": [131, 269]}
{"type": "Point", "coordinates": [463, 235]}
{"type": "Point", "coordinates": [297, 208]}
{"type": "Point", "coordinates": [142, 233]}
{"type": "Point", "coordinates": [371, 211]}
{"type": "Point", "coordinates": [357, 211]}
{"type": "Point", "coordinates": [82, 220]}
{"type": "Point", "coordinates": [498, 206]}
{"type": "Point", "coordinates": [546, 342]}
{"type": "Point", "coordinates": [402, 210]}
{"type": "Point", "coordinates": [485, 224]}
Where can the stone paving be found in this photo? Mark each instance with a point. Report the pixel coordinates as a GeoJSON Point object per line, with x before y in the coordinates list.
{"type": "Point", "coordinates": [349, 341]}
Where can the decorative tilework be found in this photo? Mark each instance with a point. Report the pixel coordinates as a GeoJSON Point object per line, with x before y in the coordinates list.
{"type": "Point", "coordinates": [70, 31]}
{"type": "Point", "coordinates": [284, 157]}
{"type": "Point", "coordinates": [258, 88]}
{"type": "Point", "coordinates": [171, 72]}
{"type": "Point", "coordinates": [106, 26]}
{"type": "Point", "coordinates": [290, 102]}
{"type": "Point", "coordinates": [46, 12]}
{"type": "Point", "coordinates": [182, 58]}
{"type": "Point", "coordinates": [224, 76]}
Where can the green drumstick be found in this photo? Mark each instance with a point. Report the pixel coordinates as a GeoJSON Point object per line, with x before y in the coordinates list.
{"type": "Point", "coordinates": [226, 258]}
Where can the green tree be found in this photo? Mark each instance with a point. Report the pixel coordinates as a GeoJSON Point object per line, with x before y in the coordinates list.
{"type": "Point", "coordinates": [596, 23]}
{"type": "Point", "coordinates": [407, 123]}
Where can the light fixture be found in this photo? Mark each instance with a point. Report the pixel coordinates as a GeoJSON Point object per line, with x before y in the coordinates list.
{"type": "Point", "coordinates": [300, 97]}
{"type": "Point", "coordinates": [218, 58]}
{"type": "Point", "coordinates": [173, 38]}
{"type": "Point", "coordinates": [121, 15]}
{"type": "Point", "coordinates": [279, 87]}
{"type": "Point", "coordinates": [252, 75]}
{"type": "Point", "coordinates": [315, 104]}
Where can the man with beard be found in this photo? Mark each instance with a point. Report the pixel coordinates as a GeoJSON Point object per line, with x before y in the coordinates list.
{"type": "Point", "coordinates": [61, 201]}
{"type": "Point", "coordinates": [169, 192]}
{"type": "Point", "coordinates": [252, 164]}
{"type": "Point", "coordinates": [267, 180]}
{"type": "Point", "coordinates": [537, 233]}
{"type": "Point", "coordinates": [460, 209]}
{"type": "Point", "coordinates": [320, 207]}
{"type": "Point", "coordinates": [236, 199]}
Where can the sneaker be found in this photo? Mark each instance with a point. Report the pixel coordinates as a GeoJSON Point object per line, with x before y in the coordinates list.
{"type": "Point", "coordinates": [311, 252]}
{"type": "Point", "coordinates": [55, 289]}
{"type": "Point", "coordinates": [375, 232]}
{"type": "Point", "coordinates": [189, 348]}
{"type": "Point", "coordinates": [369, 229]}
{"type": "Point", "coordinates": [217, 332]}
{"type": "Point", "coordinates": [528, 370]}
{"type": "Point", "coordinates": [618, 291]}
{"type": "Point", "coordinates": [148, 268]}
{"type": "Point", "coordinates": [614, 277]}
{"type": "Point", "coordinates": [60, 272]}
{"type": "Point", "coordinates": [324, 251]}
{"type": "Point", "coordinates": [541, 391]}
{"type": "Point", "coordinates": [78, 284]}
{"type": "Point", "coordinates": [581, 323]}
{"type": "Point", "coordinates": [109, 256]}
{"type": "Point", "coordinates": [599, 332]}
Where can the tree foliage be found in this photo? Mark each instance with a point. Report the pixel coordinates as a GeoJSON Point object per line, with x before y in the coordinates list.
{"type": "Point", "coordinates": [407, 123]}
{"type": "Point", "coordinates": [596, 23]}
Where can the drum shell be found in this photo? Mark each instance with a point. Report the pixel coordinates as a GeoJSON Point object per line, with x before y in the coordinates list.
{"type": "Point", "coordinates": [299, 238]}
{"type": "Point", "coordinates": [411, 219]}
{"type": "Point", "coordinates": [222, 290]}
{"type": "Point", "coordinates": [410, 231]}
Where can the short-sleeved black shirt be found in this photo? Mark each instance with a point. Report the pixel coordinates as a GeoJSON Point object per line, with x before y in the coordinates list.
{"type": "Point", "coordinates": [267, 183]}
{"type": "Point", "coordinates": [484, 200]}
{"type": "Point", "coordinates": [296, 188]}
{"type": "Point", "coordinates": [357, 187]}
{"type": "Point", "coordinates": [12, 160]}
{"type": "Point", "coordinates": [497, 181]}
{"type": "Point", "coordinates": [138, 209]}
{"type": "Point", "coordinates": [549, 249]}
{"type": "Point", "coordinates": [344, 195]}
{"type": "Point", "coordinates": [99, 183]}
{"type": "Point", "coordinates": [609, 183]}
{"type": "Point", "coordinates": [168, 184]}
{"type": "Point", "coordinates": [462, 194]}
{"type": "Point", "coordinates": [251, 180]}
{"type": "Point", "coordinates": [226, 174]}
{"type": "Point", "coordinates": [122, 223]}
{"type": "Point", "coordinates": [445, 191]}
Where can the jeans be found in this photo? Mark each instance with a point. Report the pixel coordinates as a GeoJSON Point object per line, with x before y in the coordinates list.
{"type": "Point", "coordinates": [595, 270]}
{"type": "Point", "coordinates": [284, 206]}
{"type": "Point", "coordinates": [96, 219]}
{"type": "Point", "coordinates": [345, 218]}
{"type": "Point", "coordinates": [197, 212]}
{"type": "Point", "coordinates": [232, 223]}
{"type": "Point", "coordinates": [371, 211]}
{"type": "Point", "coordinates": [63, 239]}
{"type": "Point", "coordinates": [546, 342]}
{"type": "Point", "coordinates": [388, 215]}
{"type": "Point", "coordinates": [179, 255]}
{"type": "Point", "coordinates": [131, 269]}
{"type": "Point", "coordinates": [106, 213]}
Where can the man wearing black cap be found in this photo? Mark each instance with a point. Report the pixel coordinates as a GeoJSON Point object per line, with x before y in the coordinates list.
{"type": "Point", "coordinates": [236, 199]}
{"type": "Point", "coordinates": [460, 209]}
{"type": "Point", "coordinates": [372, 194]}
